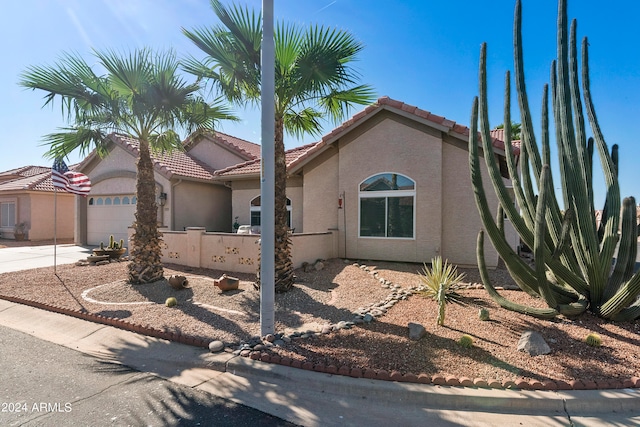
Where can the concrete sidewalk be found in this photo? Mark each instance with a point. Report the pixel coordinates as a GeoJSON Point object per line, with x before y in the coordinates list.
{"type": "Point", "coordinates": [317, 399]}
{"type": "Point", "coordinates": [28, 257]}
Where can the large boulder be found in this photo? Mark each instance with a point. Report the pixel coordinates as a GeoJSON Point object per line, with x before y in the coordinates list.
{"type": "Point", "coordinates": [533, 343]}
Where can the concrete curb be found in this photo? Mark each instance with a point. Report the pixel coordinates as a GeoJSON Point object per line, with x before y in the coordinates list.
{"type": "Point", "coordinates": [196, 368]}
{"type": "Point", "coordinates": [347, 371]}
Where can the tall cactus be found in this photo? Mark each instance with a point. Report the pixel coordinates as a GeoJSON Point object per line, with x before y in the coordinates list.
{"type": "Point", "coordinates": [572, 255]}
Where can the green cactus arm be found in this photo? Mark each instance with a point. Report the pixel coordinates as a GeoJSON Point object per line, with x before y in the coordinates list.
{"type": "Point", "coordinates": [624, 297]}
{"type": "Point", "coordinates": [581, 138]}
{"type": "Point", "coordinates": [628, 314]}
{"type": "Point", "coordinates": [539, 239]}
{"type": "Point", "coordinates": [628, 248]}
{"type": "Point", "coordinates": [543, 313]}
{"type": "Point", "coordinates": [527, 134]}
{"type": "Point", "coordinates": [575, 308]}
{"type": "Point", "coordinates": [609, 240]}
{"type": "Point", "coordinates": [526, 210]}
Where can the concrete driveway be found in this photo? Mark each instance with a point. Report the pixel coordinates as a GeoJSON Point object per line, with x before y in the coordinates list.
{"type": "Point", "coordinates": [28, 257]}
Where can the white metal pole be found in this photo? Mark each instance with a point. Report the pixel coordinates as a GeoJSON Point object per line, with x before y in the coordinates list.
{"type": "Point", "coordinates": [267, 184]}
{"type": "Point", "coordinates": [55, 226]}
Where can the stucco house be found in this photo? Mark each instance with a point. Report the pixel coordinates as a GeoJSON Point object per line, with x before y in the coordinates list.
{"type": "Point", "coordinates": [392, 182]}
{"type": "Point", "coordinates": [27, 197]}
{"type": "Point", "coordinates": [186, 192]}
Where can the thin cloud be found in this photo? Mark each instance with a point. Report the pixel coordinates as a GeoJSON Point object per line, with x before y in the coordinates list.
{"type": "Point", "coordinates": [323, 8]}
{"type": "Point", "coordinates": [76, 22]}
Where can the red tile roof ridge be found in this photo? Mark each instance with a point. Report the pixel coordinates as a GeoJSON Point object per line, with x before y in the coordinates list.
{"type": "Point", "coordinates": [243, 146]}
{"type": "Point", "coordinates": [234, 167]}
{"type": "Point", "coordinates": [169, 162]}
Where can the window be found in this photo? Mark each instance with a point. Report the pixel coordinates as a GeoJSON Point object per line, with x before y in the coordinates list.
{"type": "Point", "coordinates": [387, 206]}
{"type": "Point", "coordinates": [255, 211]}
{"type": "Point", "coordinates": [7, 214]}
{"type": "Point", "coordinates": [125, 200]}
{"type": "Point", "coordinates": [116, 200]}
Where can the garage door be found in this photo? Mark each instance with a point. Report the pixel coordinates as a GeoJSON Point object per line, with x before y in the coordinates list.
{"type": "Point", "coordinates": [107, 215]}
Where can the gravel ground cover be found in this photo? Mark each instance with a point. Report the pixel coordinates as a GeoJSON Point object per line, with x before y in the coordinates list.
{"type": "Point", "coordinates": [333, 294]}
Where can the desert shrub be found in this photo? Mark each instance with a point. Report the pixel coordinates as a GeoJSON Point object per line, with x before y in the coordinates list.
{"type": "Point", "coordinates": [171, 302]}
{"type": "Point", "coordinates": [439, 283]}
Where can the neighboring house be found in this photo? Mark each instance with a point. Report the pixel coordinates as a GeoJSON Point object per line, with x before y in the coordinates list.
{"type": "Point", "coordinates": [393, 182]}
{"type": "Point", "coordinates": [186, 192]}
{"type": "Point", "coordinates": [27, 197]}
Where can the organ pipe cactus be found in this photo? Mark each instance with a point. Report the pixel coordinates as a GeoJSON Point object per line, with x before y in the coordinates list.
{"type": "Point", "coordinates": [572, 254]}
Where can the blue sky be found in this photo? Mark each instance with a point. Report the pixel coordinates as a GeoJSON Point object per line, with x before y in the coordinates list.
{"type": "Point", "coordinates": [422, 52]}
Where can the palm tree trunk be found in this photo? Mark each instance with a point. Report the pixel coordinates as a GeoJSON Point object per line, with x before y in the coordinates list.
{"type": "Point", "coordinates": [284, 277]}
{"type": "Point", "coordinates": [146, 264]}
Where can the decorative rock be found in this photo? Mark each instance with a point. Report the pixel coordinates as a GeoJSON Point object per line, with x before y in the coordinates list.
{"type": "Point", "coordinates": [416, 331]}
{"type": "Point", "coordinates": [533, 343]}
{"type": "Point", "coordinates": [270, 338]}
{"type": "Point", "coordinates": [216, 346]}
{"type": "Point", "coordinates": [279, 343]}
{"type": "Point", "coordinates": [368, 318]}
{"type": "Point", "coordinates": [318, 265]}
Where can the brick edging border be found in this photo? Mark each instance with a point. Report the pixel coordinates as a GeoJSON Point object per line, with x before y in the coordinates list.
{"type": "Point", "coordinates": [355, 372]}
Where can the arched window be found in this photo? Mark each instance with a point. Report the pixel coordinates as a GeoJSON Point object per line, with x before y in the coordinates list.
{"type": "Point", "coordinates": [255, 211]}
{"type": "Point", "coordinates": [125, 200]}
{"type": "Point", "coordinates": [134, 200]}
{"type": "Point", "coordinates": [107, 200]}
{"type": "Point", "coordinates": [387, 206]}
{"type": "Point", "coordinates": [116, 200]}
{"type": "Point", "coordinates": [99, 202]}
{"type": "Point", "coordinates": [91, 201]}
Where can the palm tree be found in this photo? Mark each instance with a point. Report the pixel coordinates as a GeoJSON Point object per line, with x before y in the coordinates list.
{"type": "Point", "coordinates": [515, 130]}
{"type": "Point", "coordinates": [142, 95]}
{"type": "Point", "coordinates": [313, 80]}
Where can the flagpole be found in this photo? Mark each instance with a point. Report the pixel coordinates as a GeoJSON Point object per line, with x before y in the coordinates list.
{"type": "Point", "coordinates": [55, 226]}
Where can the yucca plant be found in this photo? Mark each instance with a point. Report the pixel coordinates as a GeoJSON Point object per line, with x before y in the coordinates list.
{"type": "Point", "coordinates": [573, 254]}
{"type": "Point", "coordinates": [440, 282]}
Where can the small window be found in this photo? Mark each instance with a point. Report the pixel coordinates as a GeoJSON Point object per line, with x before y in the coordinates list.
{"type": "Point", "coordinates": [134, 200]}
{"type": "Point", "coordinates": [387, 206]}
{"type": "Point", "coordinates": [107, 201]}
{"type": "Point", "coordinates": [91, 201]}
{"type": "Point", "coordinates": [255, 211]}
{"type": "Point", "coordinates": [8, 214]}
{"type": "Point", "coordinates": [99, 201]}
{"type": "Point", "coordinates": [116, 200]}
{"type": "Point", "coordinates": [125, 200]}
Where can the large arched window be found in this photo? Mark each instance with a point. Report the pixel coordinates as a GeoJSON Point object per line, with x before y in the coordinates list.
{"type": "Point", "coordinates": [255, 211]}
{"type": "Point", "coordinates": [387, 206]}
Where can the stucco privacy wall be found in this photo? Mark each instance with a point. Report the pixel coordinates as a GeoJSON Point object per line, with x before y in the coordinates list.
{"type": "Point", "coordinates": [239, 253]}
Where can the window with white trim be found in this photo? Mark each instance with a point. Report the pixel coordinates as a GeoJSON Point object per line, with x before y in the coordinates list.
{"type": "Point", "coordinates": [256, 207]}
{"type": "Point", "coordinates": [7, 214]}
{"type": "Point", "coordinates": [387, 206]}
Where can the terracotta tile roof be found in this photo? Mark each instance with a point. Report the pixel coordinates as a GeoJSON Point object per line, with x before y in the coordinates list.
{"type": "Point", "coordinates": [386, 103]}
{"type": "Point", "coordinates": [252, 167]}
{"type": "Point", "coordinates": [245, 148]}
{"type": "Point", "coordinates": [23, 172]}
{"type": "Point", "coordinates": [31, 178]}
{"type": "Point", "coordinates": [176, 163]}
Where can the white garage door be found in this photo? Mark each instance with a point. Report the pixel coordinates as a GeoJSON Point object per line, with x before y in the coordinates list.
{"type": "Point", "coordinates": [107, 215]}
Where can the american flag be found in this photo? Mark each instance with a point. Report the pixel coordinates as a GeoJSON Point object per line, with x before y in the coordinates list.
{"type": "Point", "coordinates": [73, 182]}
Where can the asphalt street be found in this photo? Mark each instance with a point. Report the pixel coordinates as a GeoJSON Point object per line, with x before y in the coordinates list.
{"type": "Point", "coordinates": [44, 384]}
